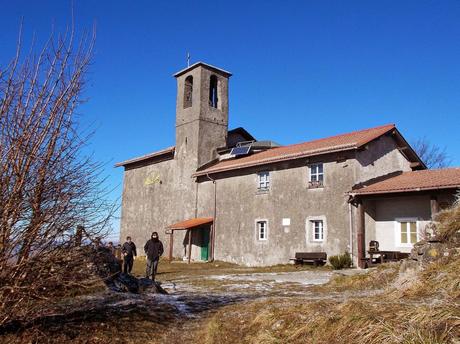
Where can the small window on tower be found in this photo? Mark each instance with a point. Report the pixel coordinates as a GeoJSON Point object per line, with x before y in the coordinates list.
{"type": "Point", "coordinates": [213, 100]}
{"type": "Point", "coordinates": [188, 91]}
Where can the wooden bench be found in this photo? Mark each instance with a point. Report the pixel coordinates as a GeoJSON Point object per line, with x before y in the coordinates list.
{"type": "Point", "coordinates": [317, 258]}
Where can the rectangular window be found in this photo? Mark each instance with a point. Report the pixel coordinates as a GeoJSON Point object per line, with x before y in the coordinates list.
{"type": "Point", "coordinates": [262, 233]}
{"type": "Point", "coordinates": [263, 180]}
{"type": "Point", "coordinates": [408, 232]}
{"type": "Point", "coordinates": [317, 230]}
{"type": "Point", "coordinates": [316, 176]}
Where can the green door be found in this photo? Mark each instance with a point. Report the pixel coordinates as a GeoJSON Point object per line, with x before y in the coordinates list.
{"type": "Point", "coordinates": [205, 244]}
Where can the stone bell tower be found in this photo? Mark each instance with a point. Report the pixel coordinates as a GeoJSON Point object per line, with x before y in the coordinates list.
{"type": "Point", "coordinates": [201, 113]}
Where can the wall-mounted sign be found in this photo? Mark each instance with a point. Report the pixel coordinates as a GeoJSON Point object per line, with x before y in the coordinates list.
{"type": "Point", "coordinates": [286, 222]}
{"type": "Point", "coordinates": [152, 178]}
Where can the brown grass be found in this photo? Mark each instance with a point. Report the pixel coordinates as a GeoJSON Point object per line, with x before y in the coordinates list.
{"type": "Point", "coordinates": [378, 278]}
{"type": "Point", "coordinates": [448, 226]}
{"type": "Point", "coordinates": [379, 319]}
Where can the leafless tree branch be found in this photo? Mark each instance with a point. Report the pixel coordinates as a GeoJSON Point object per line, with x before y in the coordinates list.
{"type": "Point", "coordinates": [433, 156]}
{"type": "Point", "coordinates": [47, 185]}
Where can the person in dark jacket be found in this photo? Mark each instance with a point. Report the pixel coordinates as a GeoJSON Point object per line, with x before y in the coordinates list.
{"type": "Point", "coordinates": [129, 252]}
{"type": "Point", "coordinates": [153, 250]}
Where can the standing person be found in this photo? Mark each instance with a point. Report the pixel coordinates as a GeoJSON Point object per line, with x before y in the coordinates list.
{"type": "Point", "coordinates": [118, 255]}
{"type": "Point", "coordinates": [129, 252]}
{"type": "Point", "coordinates": [153, 250]}
{"type": "Point", "coordinates": [111, 247]}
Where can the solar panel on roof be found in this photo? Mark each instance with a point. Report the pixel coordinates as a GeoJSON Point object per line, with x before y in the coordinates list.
{"type": "Point", "coordinates": [240, 150]}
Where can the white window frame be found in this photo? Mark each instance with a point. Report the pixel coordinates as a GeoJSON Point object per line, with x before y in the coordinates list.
{"type": "Point", "coordinates": [398, 231]}
{"type": "Point", "coordinates": [317, 174]}
{"type": "Point", "coordinates": [263, 181]}
{"type": "Point", "coordinates": [310, 230]}
{"type": "Point", "coordinates": [313, 224]}
{"type": "Point", "coordinates": [257, 222]}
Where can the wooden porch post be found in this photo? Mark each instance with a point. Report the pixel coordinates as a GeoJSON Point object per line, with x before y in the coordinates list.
{"type": "Point", "coordinates": [361, 231]}
{"type": "Point", "coordinates": [189, 245]}
{"type": "Point", "coordinates": [434, 205]}
{"type": "Point", "coordinates": [171, 242]}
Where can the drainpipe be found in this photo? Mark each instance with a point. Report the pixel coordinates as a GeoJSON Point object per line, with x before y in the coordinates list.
{"type": "Point", "coordinates": [213, 232]}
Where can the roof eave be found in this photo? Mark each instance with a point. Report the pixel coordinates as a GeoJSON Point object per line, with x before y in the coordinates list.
{"type": "Point", "coordinates": [357, 194]}
{"type": "Point", "coordinates": [271, 161]}
{"type": "Point", "coordinates": [411, 150]}
{"type": "Point", "coordinates": [154, 155]}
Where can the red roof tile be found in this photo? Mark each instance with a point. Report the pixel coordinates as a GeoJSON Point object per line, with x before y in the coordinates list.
{"type": "Point", "coordinates": [192, 223]}
{"type": "Point", "coordinates": [331, 144]}
{"type": "Point", "coordinates": [414, 181]}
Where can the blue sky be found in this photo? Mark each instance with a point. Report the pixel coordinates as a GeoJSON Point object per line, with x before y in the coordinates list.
{"type": "Point", "coordinates": [301, 69]}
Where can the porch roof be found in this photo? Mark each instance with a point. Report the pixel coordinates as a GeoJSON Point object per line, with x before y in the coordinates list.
{"type": "Point", "coordinates": [447, 178]}
{"type": "Point", "coordinates": [191, 223]}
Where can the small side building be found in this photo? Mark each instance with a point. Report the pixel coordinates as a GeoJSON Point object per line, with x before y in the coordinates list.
{"type": "Point", "coordinates": [396, 211]}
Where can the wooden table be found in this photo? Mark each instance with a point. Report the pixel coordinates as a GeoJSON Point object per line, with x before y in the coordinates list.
{"type": "Point", "coordinates": [386, 256]}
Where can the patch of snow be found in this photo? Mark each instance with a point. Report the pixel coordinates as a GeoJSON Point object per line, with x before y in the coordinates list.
{"type": "Point", "coordinates": [301, 277]}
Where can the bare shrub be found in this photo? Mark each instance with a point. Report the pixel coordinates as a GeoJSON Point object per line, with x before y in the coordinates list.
{"type": "Point", "coordinates": [47, 184]}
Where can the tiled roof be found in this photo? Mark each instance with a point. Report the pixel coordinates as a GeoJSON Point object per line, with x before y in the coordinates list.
{"type": "Point", "coordinates": [147, 156]}
{"type": "Point", "coordinates": [200, 221]}
{"type": "Point", "coordinates": [331, 144]}
{"type": "Point", "coordinates": [447, 178]}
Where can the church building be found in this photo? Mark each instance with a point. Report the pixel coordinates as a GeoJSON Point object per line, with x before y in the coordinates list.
{"type": "Point", "coordinates": [221, 194]}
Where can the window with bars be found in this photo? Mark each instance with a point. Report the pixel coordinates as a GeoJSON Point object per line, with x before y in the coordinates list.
{"type": "Point", "coordinates": [316, 176]}
{"type": "Point", "coordinates": [263, 181]}
{"type": "Point", "coordinates": [407, 232]}
{"type": "Point", "coordinates": [317, 230]}
{"type": "Point", "coordinates": [262, 233]}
